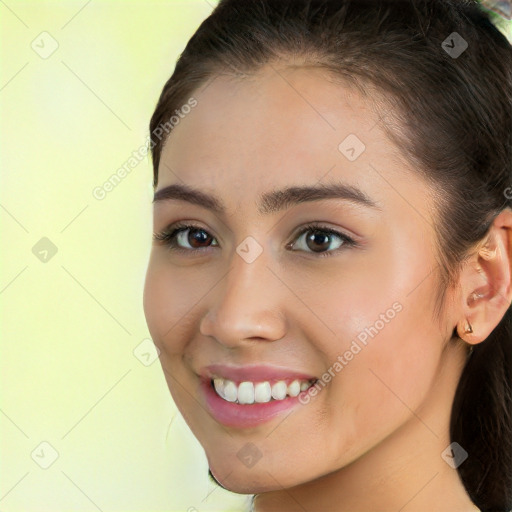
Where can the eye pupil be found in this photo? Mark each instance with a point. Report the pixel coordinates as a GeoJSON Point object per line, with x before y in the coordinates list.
{"type": "Point", "coordinates": [199, 236]}
{"type": "Point", "coordinates": [317, 238]}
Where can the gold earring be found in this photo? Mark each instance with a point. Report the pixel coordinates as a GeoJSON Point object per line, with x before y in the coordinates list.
{"type": "Point", "coordinates": [469, 329]}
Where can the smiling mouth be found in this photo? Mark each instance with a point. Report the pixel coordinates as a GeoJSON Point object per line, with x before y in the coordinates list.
{"type": "Point", "coordinates": [248, 392]}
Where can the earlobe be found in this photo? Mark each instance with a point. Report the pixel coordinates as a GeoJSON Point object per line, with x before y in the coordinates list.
{"type": "Point", "coordinates": [466, 327]}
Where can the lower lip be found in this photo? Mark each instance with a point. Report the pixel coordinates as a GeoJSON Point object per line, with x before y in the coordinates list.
{"type": "Point", "coordinates": [236, 415]}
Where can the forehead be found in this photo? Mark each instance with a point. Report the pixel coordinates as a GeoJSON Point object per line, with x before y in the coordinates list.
{"type": "Point", "coordinates": [280, 114]}
{"type": "Point", "coordinates": [282, 126]}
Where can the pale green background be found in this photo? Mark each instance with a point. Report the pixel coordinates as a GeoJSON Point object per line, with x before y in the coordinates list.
{"type": "Point", "coordinates": [69, 326]}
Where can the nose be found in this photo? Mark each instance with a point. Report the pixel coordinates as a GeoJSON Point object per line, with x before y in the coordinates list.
{"type": "Point", "coordinates": [247, 305]}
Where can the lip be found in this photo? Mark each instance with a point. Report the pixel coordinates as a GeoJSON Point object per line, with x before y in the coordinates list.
{"type": "Point", "coordinates": [232, 414]}
{"type": "Point", "coordinates": [253, 373]}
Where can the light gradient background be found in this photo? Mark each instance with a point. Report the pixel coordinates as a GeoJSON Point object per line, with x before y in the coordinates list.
{"type": "Point", "coordinates": [70, 325]}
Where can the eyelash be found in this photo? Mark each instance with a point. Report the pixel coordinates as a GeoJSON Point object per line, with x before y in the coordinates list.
{"type": "Point", "coordinates": [168, 238]}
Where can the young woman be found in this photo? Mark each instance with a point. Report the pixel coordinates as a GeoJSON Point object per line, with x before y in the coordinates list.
{"type": "Point", "coordinates": [330, 279]}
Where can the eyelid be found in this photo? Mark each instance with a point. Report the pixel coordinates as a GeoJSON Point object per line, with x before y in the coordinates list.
{"type": "Point", "coordinates": [173, 230]}
{"type": "Point", "coordinates": [349, 241]}
{"type": "Point", "coordinates": [169, 236]}
{"type": "Point", "coordinates": [325, 227]}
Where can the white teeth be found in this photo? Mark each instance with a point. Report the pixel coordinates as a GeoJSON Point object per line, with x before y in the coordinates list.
{"type": "Point", "coordinates": [262, 392]}
{"type": "Point", "coordinates": [248, 392]}
{"type": "Point", "coordinates": [230, 391]}
{"type": "Point", "coordinates": [304, 386]}
{"type": "Point", "coordinates": [219, 386]}
{"type": "Point", "coordinates": [279, 390]}
{"type": "Point", "coordinates": [294, 388]}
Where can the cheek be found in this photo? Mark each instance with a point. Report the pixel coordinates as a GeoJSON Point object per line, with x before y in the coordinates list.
{"type": "Point", "coordinates": [166, 303]}
{"type": "Point", "coordinates": [394, 366]}
{"type": "Point", "coordinates": [386, 348]}
{"type": "Point", "coordinates": [373, 391]}
{"type": "Point", "coordinates": [153, 299]}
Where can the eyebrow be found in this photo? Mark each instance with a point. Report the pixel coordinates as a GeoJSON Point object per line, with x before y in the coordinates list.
{"type": "Point", "coordinates": [273, 201]}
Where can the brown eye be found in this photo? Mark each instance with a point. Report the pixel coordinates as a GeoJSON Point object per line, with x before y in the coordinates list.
{"type": "Point", "coordinates": [196, 238]}
{"type": "Point", "coordinates": [186, 238]}
{"type": "Point", "coordinates": [319, 239]}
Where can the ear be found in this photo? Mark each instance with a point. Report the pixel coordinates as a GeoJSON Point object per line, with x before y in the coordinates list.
{"type": "Point", "coordinates": [486, 282]}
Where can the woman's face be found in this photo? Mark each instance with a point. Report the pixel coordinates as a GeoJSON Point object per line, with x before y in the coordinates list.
{"type": "Point", "coordinates": [245, 297]}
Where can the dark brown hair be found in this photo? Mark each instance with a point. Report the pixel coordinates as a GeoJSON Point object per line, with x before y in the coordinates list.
{"type": "Point", "coordinates": [449, 114]}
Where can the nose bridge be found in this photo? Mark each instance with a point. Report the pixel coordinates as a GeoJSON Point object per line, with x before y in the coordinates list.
{"type": "Point", "coordinates": [244, 305]}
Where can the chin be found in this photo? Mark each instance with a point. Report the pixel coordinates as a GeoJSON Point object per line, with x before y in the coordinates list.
{"type": "Point", "coordinates": [244, 481]}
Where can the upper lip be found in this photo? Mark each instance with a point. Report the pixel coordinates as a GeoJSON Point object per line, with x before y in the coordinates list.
{"type": "Point", "coordinates": [253, 372]}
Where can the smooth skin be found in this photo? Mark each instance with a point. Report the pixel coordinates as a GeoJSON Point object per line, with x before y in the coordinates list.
{"type": "Point", "coordinates": [372, 439]}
